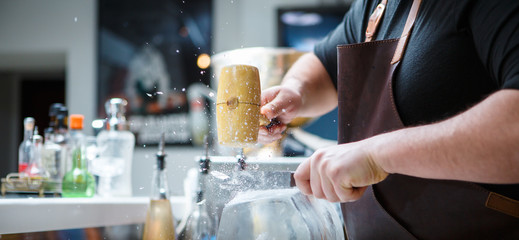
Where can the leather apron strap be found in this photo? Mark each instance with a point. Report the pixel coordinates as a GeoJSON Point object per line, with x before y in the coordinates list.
{"type": "Point", "coordinates": [374, 20]}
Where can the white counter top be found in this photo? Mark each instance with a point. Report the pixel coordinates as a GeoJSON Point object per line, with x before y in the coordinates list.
{"type": "Point", "coordinates": [19, 215]}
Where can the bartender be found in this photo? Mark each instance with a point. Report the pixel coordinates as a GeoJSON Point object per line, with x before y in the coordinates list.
{"type": "Point", "coordinates": [428, 103]}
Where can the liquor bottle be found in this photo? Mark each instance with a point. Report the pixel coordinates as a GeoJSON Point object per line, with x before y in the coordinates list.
{"type": "Point", "coordinates": [61, 126]}
{"type": "Point", "coordinates": [61, 136]}
{"type": "Point", "coordinates": [200, 224]}
{"type": "Point", "coordinates": [26, 149]}
{"type": "Point", "coordinates": [53, 113]}
{"type": "Point", "coordinates": [77, 182]}
{"type": "Point", "coordinates": [52, 156]}
{"type": "Point", "coordinates": [35, 168]}
{"type": "Point", "coordinates": [115, 146]}
{"type": "Point", "coordinates": [159, 219]}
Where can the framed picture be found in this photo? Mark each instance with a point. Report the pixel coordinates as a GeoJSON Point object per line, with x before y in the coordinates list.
{"type": "Point", "coordinates": [302, 27]}
{"type": "Point", "coordinates": [150, 53]}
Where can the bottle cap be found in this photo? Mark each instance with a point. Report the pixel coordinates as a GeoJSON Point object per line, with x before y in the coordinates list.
{"type": "Point", "coordinates": [115, 105]}
{"type": "Point", "coordinates": [54, 108]}
{"type": "Point", "coordinates": [115, 109]}
{"type": "Point", "coordinates": [63, 110]}
{"type": "Point", "coordinates": [76, 121]}
{"type": "Point", "coordinates": [28, 123]}
{"type": "Point", "coordinates": [36, 137]}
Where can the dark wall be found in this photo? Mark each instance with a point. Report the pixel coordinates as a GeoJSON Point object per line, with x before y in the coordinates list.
{"type": "Point", "coordinates": [24, 95]}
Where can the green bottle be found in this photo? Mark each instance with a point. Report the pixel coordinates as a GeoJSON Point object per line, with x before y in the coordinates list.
{"type": "Point", "coordinates": [77, 182]}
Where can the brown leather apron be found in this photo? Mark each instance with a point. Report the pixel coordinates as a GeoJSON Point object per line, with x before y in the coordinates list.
{"type": "Point", "coordinates": [404, 207]}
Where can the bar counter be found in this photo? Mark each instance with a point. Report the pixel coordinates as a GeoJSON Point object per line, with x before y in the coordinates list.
{"type": "Point", "coordinates": [22, 215]}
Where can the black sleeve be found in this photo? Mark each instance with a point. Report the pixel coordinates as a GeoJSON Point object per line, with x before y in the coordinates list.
{"type": "Point", "coordinates": [495, 28]}
{"type": "Point", "coordinates": [347, 32]}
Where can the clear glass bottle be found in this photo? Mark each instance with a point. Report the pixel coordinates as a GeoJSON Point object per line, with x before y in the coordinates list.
{"type": "Point", "coordinates": [52, 156]}
{"type": "Point", "coordinates": [200, 224]}
{"type": "Point", "coordinates": [26, 149]}
{"type": "Point", "coordinates": [61, 126]}
{"type": "Point", "coordinates": [61, 135]}
{"type": "Point", "coordinates": [115, 148]}
{"type": "Point", "coordinates": [159, 219]}
{"type": "Point", "coordinates": [77, 182]}
{"type": "Point", "coordinates": [35, 168]}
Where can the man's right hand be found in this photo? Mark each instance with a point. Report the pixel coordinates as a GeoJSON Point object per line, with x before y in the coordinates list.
{"type": "Point", "coordinates": [281, 103]}
{"type": "Point", "coordinates": [306, 91]}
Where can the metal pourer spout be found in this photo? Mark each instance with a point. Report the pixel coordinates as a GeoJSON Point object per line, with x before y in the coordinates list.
{"type": "Point", "coordinates": [241, 165]}
{"type": "Point", "coordinates": [161, 154]}
{"type": "Point", "coordinates": [205, 161]}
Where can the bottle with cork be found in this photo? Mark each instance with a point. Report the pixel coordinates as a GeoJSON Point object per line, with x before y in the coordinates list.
{"type": "Point", "coordinates": [77, 182]}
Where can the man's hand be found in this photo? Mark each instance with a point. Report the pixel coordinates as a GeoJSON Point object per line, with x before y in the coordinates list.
{"type": "Point", "coordinates": [339, 173]}
{"type": "Point", "coordinates": [278, 102]}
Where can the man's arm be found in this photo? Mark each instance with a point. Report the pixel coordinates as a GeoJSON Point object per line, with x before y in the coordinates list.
{"type": "Point", "coordinates": [306, 91]}
{"type": "Point", "coordinates": [479, 145]}
{"type": "Point", "coordinates": [309, 79]}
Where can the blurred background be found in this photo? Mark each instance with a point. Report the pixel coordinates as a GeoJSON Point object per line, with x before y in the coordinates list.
{"type": "Point", "coordinates": [82, 52]}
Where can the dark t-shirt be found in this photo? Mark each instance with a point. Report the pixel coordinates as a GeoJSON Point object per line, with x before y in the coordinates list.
{"type": "Point", "coordinates": [459, 52]}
